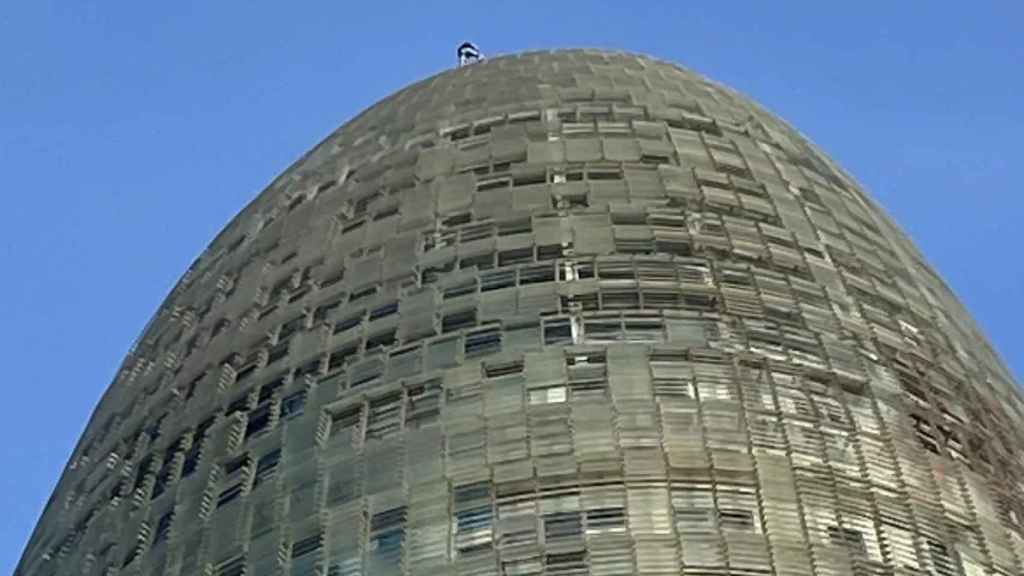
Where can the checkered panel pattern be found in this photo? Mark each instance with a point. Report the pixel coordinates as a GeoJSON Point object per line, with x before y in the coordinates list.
{"type": "Point", "coordinates": [570, 312]}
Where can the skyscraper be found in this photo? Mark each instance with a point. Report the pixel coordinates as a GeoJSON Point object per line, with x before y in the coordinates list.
{"type": "Point", "coordinates": [569, 312]}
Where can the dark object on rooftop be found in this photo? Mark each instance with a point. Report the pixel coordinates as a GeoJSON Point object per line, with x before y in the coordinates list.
{"type": "Point", "coordinates": [468, 54]}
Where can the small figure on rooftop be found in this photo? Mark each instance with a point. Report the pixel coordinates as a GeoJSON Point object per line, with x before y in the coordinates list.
{"type": "Point", "coordinates": [469, 53]}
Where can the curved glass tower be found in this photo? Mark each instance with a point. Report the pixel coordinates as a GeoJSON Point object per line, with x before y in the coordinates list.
{"type": "Point", "coordinates": [558, 313]}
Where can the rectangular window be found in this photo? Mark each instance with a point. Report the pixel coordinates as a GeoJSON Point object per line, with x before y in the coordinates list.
{"type": "Point", "coordinates": [163, 526]}
{"type": "Point", "coordinates": [473, 530]}
{"type": "Point", "coordinates": [291, 327]}
{"type": "Point", "coordinates": [363, 294]}
{"type": "Point", "coordinates": [277, 353]}
{"type": "Point", "coordinates": [643, 329]}
{"type": "Point", "coordinates": [481, 262]}
{"type": "Point", "coordinates": [620, 300]}
{"type": "Point", "coordinates": [536, 274]}
{"type": "Point", "coordinates": [387, 529]}
{"type": "Point", "coordinates": [612, 270]}
{"type": "Point", "coordinates": [266, 466]}
{"type": "Point", "coordinates": [349, 322]}
{"type": "Point", "coordinates": [259, 422]}
{"type": "Point", "coordinates": [518, 226]}
{"type": "Point", "coordinates": [483, 342]}
{"type": "Point", "coordinates": [848, 538]}
{"type": "Point", "coordinates": [324, 310]}
{"type": "Point", "coordinates": [557, 331]}
{"type": "Point", "coordinates": [458, 321]}
{"type": "Point", "coordinates": [499, 369]}
{"type": "Point", "coordinates": [366, 372]}
{"type": "Point", "coordinates": [384, 311]}
{"type": "Point", "coordinates": [234, 480]}
{"type": "Point", "coordinates": [311, 367]}
{"type": "Point", "coordinates": [548, 395]}
{"type": "Point", "coordinates": [431, 274]}
{"type": "Point", "coordinates": [606, 520]}
{"type": "Point", "coordinates": [497, 280]}
{"type": "Point", "coordinates": [517, 256]}
{"type": "Point", "coordinates": [307, 545]}
{"type": "Point", "coordinates": [336, 361]}
{"type": "Point", "coordinates": [736, 519]}
{"type": "Point", "coordinates": [293, 405]}
{"type": "Point", "coordinates": [423, 404]}
{"type": "Point", "coordinates": [233, 567]}
{"type": "Point", "coordinates": [192, 456]}
{"type": "Point", "coordinates": [562, 525]}
{"type": "Point", "coordinates": [381, 340]}
{"type": "Point", "coordinates": [587, 375]}
{"type": "Point", "coordinates": [566, 563]}
{"type": "Point", "coordinates": [608, 330]}
{"type": "Point", "coordinates": [240, 404]}
{"type": "Point", "coordinates": [461, 288]}
{"type": "Point", "coordinates": [384, 418]}
{"type": "Point", "coordinates": [346, 425]}
{"type": "Point", "coordinates": [267, 390]}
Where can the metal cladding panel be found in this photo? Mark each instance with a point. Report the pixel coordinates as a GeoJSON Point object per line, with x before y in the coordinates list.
{"type": "Point", "coordinates": [570, 312]}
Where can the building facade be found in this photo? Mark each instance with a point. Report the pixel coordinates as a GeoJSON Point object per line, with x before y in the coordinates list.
{"type": "Point", "coordinates": [570, 312]}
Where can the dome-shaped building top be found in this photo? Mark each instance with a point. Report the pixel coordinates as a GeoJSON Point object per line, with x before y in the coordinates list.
{"type": "Point", "coordinates": [570, 312]}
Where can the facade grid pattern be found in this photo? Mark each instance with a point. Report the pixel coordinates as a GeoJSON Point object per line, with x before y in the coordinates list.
{"type": "Point", "coordinates": [563, 313]}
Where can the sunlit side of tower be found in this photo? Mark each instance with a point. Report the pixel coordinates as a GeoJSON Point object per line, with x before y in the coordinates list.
{"type": "Point", "coordinates": [559, 313]}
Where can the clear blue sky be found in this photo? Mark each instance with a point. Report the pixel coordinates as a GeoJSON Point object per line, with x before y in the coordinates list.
{"type": "Point", "coordinates": [130, 132]}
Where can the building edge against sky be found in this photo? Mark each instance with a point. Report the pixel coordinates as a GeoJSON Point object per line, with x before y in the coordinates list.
{"type": "Point", "coordinates": [558, 312]}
